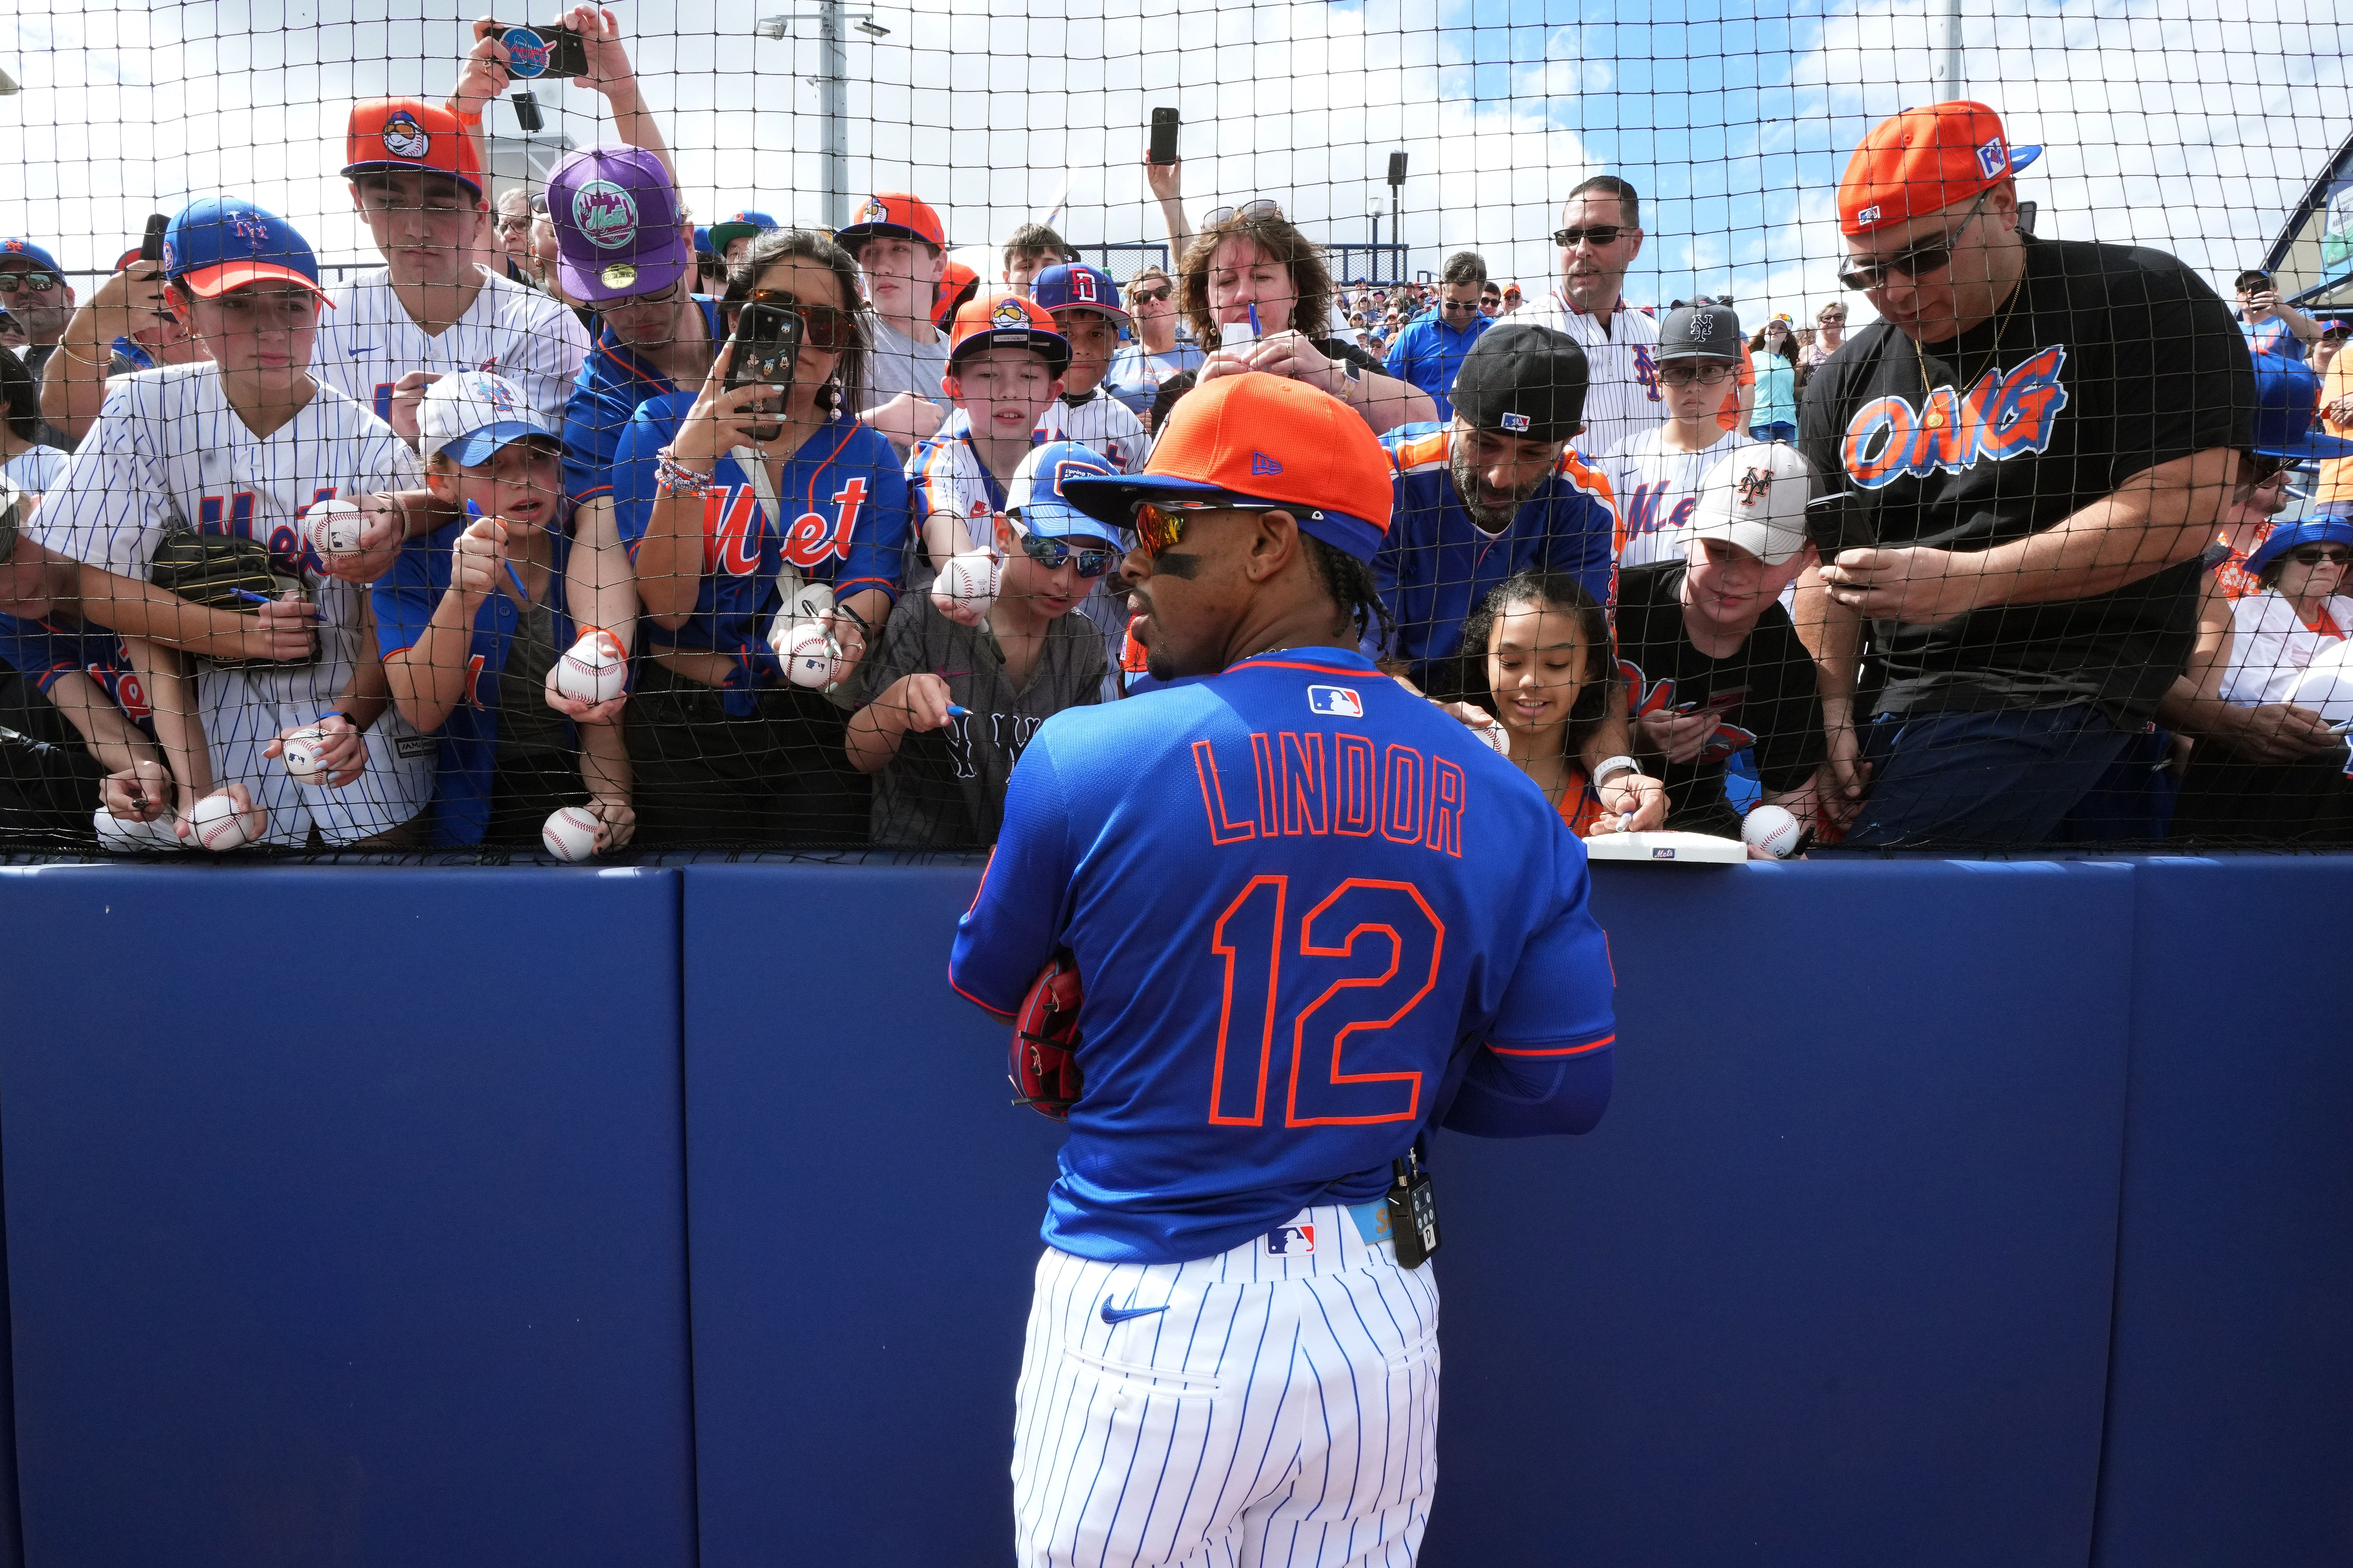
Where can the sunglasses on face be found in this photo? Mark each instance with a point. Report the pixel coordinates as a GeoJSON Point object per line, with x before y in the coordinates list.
{"type": "Point", "coordinates": [27, 283]}
{"type": "Point", "coordinates": [2315, 554]}
{"type": "Point", "coordinates": [1453, 305]}
{"type": "Point", "coordinates": [823, 327]}
{"type": "Point", "coordinates": [1684, 374]}
{"type": "Point", "coordinates": [1260, 208]}
{"type": "Point", "coordinates": [1053, 555]}
{"type": "Point", "coordinates": [1593, 233]}
{"type": "Point", "coordinates": [1915, 262]}
{"type": "Point", "coordinates": [1150, 296]}
{"type": "Point", "coordinates": [1158, 528]}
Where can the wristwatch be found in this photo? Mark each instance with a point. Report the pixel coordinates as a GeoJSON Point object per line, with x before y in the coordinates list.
{"type": "Point", "coordinates": [1620, 764]}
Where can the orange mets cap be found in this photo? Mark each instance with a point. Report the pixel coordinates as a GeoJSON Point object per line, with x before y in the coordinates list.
{"type": "Point", "coordinates": [1924, 160]}
{"type": "Point", "coordinates": [891, 212]}
{"type": "Point", "coordinates": [388, 134]}
{"type": "Point", "coordinates": [957, 284]}
{"type": "Point", "coordinates": [1006, 321]}
{"type": "Point", "coordinates": [1256, 439]}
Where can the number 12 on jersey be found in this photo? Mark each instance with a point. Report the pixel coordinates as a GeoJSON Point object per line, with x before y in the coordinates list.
{"type": "Point", "coordinates": [1334, 1041]}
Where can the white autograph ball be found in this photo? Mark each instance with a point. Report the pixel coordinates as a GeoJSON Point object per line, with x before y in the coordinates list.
{"type": "Point", "coordinates": [122, 836]}
{"type": "Point", "coordinates": [811, 658]}
{"type": "Point", "coordinates": [570, 834]}
{"type": "Point", "coordinates": [968, 580]}
{"type": "Point", "coordinates": [215, 824]}
{"type": "Point", "coordinates": [1497, 737]}
{"type": "Point", "coordinates": [1772, 829]}
{"type": "Point", "coordinates": [593, 669]}
{"type": "Point", "coordinates": [333, 527]}
{"type": "Point", "coordinates": [300, 752]}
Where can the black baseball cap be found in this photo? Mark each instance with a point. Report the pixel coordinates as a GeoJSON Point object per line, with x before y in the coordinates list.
{"type": "Point", "coordinates": [1700, 331]}
{"type": "Point", "coordinates": [1526, 380]}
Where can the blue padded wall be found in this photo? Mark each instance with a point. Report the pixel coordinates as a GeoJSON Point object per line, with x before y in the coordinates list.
{"type": "Point", "coordinates": [344, 1218]}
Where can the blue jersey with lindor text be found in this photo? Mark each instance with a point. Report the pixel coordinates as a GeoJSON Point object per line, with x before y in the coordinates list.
{"type": "Point", "coordinates": [1310, 912]}
{"type": "Point", "coordinates": [848, 497]}
{"type": "Point", "coordinates": [614, 379]}
{"type": "Point", "coordinates": [403, 599]}
{"type": "Point", "coordinates": [1436, 566]}
{"type": "Point", "coordinates": [41, 652]}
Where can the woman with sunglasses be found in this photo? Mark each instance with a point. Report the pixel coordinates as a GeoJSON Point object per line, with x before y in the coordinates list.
{"type": "Point", "coordinates": [1251, 272]}
{"type": "Point", "coordinates": [955, 704]}
{"type": "Point", "coordinates": [1156, 353]}
{"type": "Point", "coordinates": [734, 502]}
{"type": "Point", "coordinates": [2264, 766]}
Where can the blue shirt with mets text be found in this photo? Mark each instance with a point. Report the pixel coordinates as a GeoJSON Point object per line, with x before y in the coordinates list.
{"type": "Point", "coordinates": [1310, 912]}
{"type": "Point", "coordinates": [848, 498]}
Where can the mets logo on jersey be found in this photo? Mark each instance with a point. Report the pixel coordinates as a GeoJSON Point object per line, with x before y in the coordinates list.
{"type": "Point", "coordinates": [605, 214]}
{"type": "Point", "coordinates": [1008, 313]}
{"type": "Point", "coordinates": [404, 138]}
{"type": "Point", "coordinates": [1339, 702]}
{"type": "Point", "coordinates": [1646, 370]}
{"type": "Point", "coordinates": [2004, 416]}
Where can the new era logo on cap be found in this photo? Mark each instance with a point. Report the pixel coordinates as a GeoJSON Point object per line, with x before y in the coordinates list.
{"type": "Point", "coordinates": [1262, 464]}
{"type": "Point", "coordinates": [1515, 423]}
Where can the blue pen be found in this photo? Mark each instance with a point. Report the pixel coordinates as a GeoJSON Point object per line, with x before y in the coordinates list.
{"type": "Point", "coordinates": [474, 511]}
{"type": "Point", "coordinates": [253, 598]}
{"type": "Point", "coordinates": [1253, 310]}
{"type": "Point", "coordinates": [956, 712]}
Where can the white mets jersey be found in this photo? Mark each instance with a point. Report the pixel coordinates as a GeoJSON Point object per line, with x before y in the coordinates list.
{"type": "Point", "coordinates": [1102, 423]}
{"type": "Point", "coordinates": [168, 453]}
{"type": "Point", "coordinates": [1621, 395]}
{"type": "Point", "coordinates": [369, 340]}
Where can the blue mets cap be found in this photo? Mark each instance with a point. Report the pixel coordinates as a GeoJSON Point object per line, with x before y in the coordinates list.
{"type": "Point", "coordinates": [1035, 495]}
{"type": "Point", "coordinates": [222, 243]}
{"type": "Point", "coordinates": [1074, 284]}
{"type": "Point", "coordinates": [737, 225]}
{"type": "Point", "coordinates": [25, 250]}
{"type": "Point", "coordinates": [2286, 536]}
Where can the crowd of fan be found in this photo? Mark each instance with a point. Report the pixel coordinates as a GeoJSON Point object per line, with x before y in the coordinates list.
{"type": "Point", "coordinates": [1678, 563]}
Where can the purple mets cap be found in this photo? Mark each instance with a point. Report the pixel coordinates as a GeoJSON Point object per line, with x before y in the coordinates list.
{"type": "Point", "coordinates": [616, 224]}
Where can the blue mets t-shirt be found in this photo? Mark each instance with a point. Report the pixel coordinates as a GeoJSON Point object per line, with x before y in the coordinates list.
{"type": "Point", "coordinates": [41, 652]}
{"type": "Point", "coordinates": [1305, 905]}
{"type": "Point", "coordinates": [848, 527]}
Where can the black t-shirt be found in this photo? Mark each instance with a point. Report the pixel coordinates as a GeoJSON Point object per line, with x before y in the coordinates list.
{"type": "Point", "coordinates": [1763, 695]}
{"type": "Point", "coordinates": [2107, 361]}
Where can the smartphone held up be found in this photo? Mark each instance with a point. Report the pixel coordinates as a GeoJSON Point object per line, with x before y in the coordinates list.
{"type": "Point", "coordinates": [762, 351]}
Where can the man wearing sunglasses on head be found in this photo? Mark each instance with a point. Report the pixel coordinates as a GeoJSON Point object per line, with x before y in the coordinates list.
{"type": "Point", "coordinates": [953, 704]}
{"type": "Point", "coordinates": [1600, 235]}
{"type": "Point", "coordinates": [2040, 435]}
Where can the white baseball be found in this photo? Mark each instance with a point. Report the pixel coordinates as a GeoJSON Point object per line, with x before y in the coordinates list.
{"type": "Point", "coordinates": [2327, 688]}
{"type": "Point", "coordinates": [123, 836]}
{"type": "Point", "coordinates": [1496, 736]}
{"type": "Point", "coordinates": [1772, 829]}
{"type": "Point", "coordinates": [333, 527]}
{"type": "Point", "coordinates": [811, 658]}
{"type": "Point", "coordinates": [570, 834]}
{"type": "Point", "coordinates": [214, 824]}
{"type": "Point", "coordinates": [300, 752]}
{"type": "Point", "coordinates": [968, 580]}
{"type": "Point", "coordinates": [593, 669]}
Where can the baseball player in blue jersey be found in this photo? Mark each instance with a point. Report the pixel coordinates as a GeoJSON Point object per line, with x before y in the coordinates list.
{"type": "Point", "coordinates": [1312, 915]}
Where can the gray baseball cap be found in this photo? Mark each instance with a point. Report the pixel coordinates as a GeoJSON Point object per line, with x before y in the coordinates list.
{"type": "Point", "coordinates": [1700, 331]}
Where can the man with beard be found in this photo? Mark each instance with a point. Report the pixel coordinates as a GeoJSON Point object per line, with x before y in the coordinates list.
{"type": "Point", "coordinates": [1497, 490]}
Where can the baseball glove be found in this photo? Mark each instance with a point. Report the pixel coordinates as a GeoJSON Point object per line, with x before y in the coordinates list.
{"type": "Point", "coordinates": [216, 571]}
{"type": "Point", "coordinates": [1045, 1061]}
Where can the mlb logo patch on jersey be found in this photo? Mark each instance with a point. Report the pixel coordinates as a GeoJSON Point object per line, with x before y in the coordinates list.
{"type": "Point", "coordinates": [1336, 701]}
{"type": "Point", "coordinates": [1291, 1241]}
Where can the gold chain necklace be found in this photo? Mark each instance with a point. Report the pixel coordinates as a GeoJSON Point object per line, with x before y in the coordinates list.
{"type": "Point", "coordinates": [1929, 416]}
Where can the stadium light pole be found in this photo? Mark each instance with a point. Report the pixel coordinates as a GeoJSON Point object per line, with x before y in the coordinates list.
{"type": "Point", "coordinates": [1947, 66]}
{"type": "Point", "coordinates": [833, 92]}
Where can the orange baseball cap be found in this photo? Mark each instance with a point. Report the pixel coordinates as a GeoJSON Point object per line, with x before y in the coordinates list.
{"type": "Point", "coordinates": [1924, 160]}
{"type": "Point", "coordinates": [1006, 321]}
{"type": "Point", "coordinates": [891, 212]}
{"type": "Point", "coordinates": [957, 284]}
{"type": "Point", "coordinates": [1256, 439]}
{"type": "Point", "coordinates": [389, 134]}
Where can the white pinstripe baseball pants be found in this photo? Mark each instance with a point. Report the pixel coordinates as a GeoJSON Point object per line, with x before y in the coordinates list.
{"type": "Point", "coordinates": [1260, 1407]}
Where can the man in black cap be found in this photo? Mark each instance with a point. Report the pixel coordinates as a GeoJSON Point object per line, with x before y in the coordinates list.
{"type": "Point", "coordinates": [1495, 491]}
{"type": "Point", "coordinates": [1655, 475]}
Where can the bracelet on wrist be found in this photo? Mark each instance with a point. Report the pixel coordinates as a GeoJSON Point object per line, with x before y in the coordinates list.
{"type": "Point", "coordinates": [337, 713]}
{"type": "Point", "coordinates": [1610, 766]}
{"type": "Point", "coordinates": [672, 478]}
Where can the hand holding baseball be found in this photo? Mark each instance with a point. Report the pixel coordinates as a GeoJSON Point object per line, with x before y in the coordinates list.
{"type": "Point", "coordinates": [339, 752]}
{"type": "Point", "coordinates": [383, 531]}
{"type": "Point", "coordinates": [224, 820]}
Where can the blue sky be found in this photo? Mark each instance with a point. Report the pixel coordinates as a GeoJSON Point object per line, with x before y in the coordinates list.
{"type": "Point", "coordinates": [2190, 125]}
